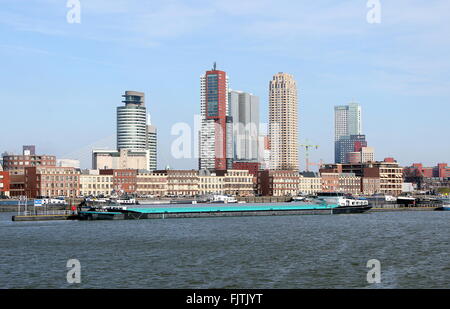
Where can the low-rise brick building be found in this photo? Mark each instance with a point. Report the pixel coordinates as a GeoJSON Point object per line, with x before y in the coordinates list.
{"type": "Point", "coordinates": [278, 183]}
{"type": "Point", "coordinates": [4, 183]}
{"type": "Point", "coordinates": [151, 184]}
{"type": "Point", "coordinates": [124, 180]}
{"type": "Point", "coordinates": [16, 164]}
{"type": "Point", "coordinates": [51, 181]}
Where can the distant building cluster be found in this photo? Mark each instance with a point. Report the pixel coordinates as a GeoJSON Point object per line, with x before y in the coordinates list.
{"type": "Point", "coordinates": [49, 179]}
{"type": "Point", "coordinates": [236, 156]}
{"type": "Point", "coordinates": [428, 178]}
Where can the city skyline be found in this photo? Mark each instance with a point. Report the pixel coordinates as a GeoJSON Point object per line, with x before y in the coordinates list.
{"type": "Point", "coordinates": [390, 86]}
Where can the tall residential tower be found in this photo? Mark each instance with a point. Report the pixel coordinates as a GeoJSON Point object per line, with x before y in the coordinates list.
{"type": "Point", "coordinates": [283, 122]}
{"type": "Point", "coordinates": [216, 140]}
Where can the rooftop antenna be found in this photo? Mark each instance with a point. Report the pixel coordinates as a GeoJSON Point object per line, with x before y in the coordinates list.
{"type": "Point", "coordinates": [214, 67]}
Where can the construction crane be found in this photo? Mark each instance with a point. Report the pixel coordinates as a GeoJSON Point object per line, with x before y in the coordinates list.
{"type": "Point", "coordinates": [320, 164]}
{"type": "Point", "coordinates": [307, 147]}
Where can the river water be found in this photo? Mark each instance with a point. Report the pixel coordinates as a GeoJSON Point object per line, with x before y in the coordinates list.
{"type": "Point", "coordinates": [326, 251]}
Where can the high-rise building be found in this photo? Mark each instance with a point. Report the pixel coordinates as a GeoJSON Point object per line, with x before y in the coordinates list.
{"type": "Point", "coordinates": [347, 120]}
{"type": "Point", "coordinates": [347, 123]}
{"type": "Point", "coordinates": [346, 144]}
{"type": "Point", "coordinates": [132, 122]}
{"type": "Point", "coordinates": [152, 146]}
{"type": "Point", "coordinates": [245, 115]}
{"type": "Point", "coordinates": [136, 136]}
{"type": "Point", "coordinates": [216, 132]}
{"type": "Point", "coordinates": [283, 122]}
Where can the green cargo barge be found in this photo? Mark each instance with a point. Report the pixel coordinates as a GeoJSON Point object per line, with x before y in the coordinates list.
{"type": "Point", "coordinates": [218, 211]}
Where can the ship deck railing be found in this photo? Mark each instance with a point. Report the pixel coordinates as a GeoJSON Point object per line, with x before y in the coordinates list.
{"type": "Point", "coordinates": [52, 212]}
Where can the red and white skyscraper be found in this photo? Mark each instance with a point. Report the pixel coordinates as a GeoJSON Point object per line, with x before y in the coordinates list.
{"type": "Point", "coordinates": [216, 125]}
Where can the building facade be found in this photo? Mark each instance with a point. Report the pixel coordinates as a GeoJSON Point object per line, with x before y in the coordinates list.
{"type": "Point", "coordinates": [151, 184]}
{"type": "Point", "coordinates": [124, 180]}
{"type": "Point", "coordinates": [17, 185]}
{"type": "Point", "coordinates": [245, 116]}
{"type": "Point", "coordinates": [370, 185]}
{"type": "Point", "coordinates": [135, 133]}
{"type": "Point", "coordinates": [349, 183]}
{"type": "Point", "coordinates": [152, 146]}
{"type": "Point", "coordinates": [278, 183]}
{"type": "Point", "coordinates": [367, 154]}
{"type": "Point", "coordinates": [182, 183]}
{"type": "Point", "coordinates": [132, 122]}
{"type": "Point", "coordinates": [347, 123]}
{"type": "Point", "coordinates": [216, 132]}
{"type": "Point", "coordinates": [330, 181]}
{"type": "Point", "coordinates": [68, 163]}
{"type": "Point", "coordinates": [121, 159]}
{"type": "Point", "coordinates": [51, 181]}
{"type": "Point", "coordinates": [4, 183]}
{"type": "Point", "coordinates": [441, 170]}
{"type": "Point", "coordinates": [211, 183]}
{"type": "Point", "coordinates": [94, 184]}
{"type": "Point", "coordinates": [389, 173]}
{"type": "Point", "coordinates": [349, 144]}
{"type": "Point", "coordinates": [310, 183]}
{"type": "Point", "coordinates": [16, 164]}
{"type": "Point", "coordinates": [238, 183]}
{"type": "Point", "coordinates": [283, 122]}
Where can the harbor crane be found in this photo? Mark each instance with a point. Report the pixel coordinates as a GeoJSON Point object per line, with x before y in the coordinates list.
{"type": "Point", "coordinates": [307, 147]}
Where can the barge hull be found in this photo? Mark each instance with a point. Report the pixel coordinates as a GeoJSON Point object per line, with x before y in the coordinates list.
{"type": "Point", "coordinates": [44, 218]}
{"type": "Point", "coordinates": [138, 215]}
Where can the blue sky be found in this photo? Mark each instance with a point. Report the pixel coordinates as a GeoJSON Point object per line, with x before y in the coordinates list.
{"type": "Point", "coordinates": [60, 83]}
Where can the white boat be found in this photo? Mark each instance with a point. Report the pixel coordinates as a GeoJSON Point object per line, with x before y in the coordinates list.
{"type": "Point", "coordinates": [130, 201]}
{"type": "Point", "coordinates": [340, 199]}
{"type": "Point", "coordinates": [53, 201]}
{"type": "Point", "coordinates": [298, 198]}
{"type": "Point", "coordinates": [381, 197]}
{"type": "Point", "coordinates": [406, 200]}
{"type": "Point", "coordinates": [114, 207]}
{"type": "Point", "coordinates": [223, 199]}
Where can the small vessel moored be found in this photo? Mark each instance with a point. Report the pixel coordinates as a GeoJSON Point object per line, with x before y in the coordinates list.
{"type": "Point", "coordinates": [406, 200]}
{"type": "Point", "coordinates": [445, 207]}
{"type": "Point", "coordinates": [341, 199]}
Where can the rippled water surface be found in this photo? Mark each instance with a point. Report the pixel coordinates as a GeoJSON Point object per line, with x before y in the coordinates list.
{"type": "Point", "coordinates": [246, 252]}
